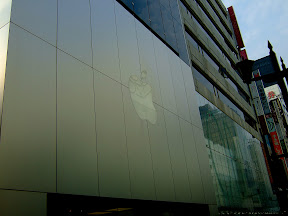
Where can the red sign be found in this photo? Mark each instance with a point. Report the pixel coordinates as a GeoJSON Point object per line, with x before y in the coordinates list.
{"type": "Point", "coordinates": [276, 143]}
{"type": "Point", "coordinates": [236, 28]}
{"type": "Point", "coordinates": [243, 54]}
{"type": "Point", "coordinates": [271, 94]}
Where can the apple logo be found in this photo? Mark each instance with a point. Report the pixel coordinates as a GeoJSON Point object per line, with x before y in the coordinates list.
{"type": "Point", "coordinates": [141, 95]}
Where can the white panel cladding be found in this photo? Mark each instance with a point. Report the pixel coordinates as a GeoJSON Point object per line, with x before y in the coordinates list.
{"type": "Point", "coordinates": [76, 136]}
{"type": "Point", "coordinates": [103, 147]}
{"type": "Point", "coordinates": [21, 203]}
{"type": "Point", "coordinates": [4, 35]}
{"type": "Point", "coordinates": [113, 167]}
{"type": "Point", "coordinates": [74, 29]}
{"type": "Point", "coordinates": [36, 16]}
{"type": "Point", "coordinates": [28, 133]}
{"type": "Point", "coordinates": [5, 12]}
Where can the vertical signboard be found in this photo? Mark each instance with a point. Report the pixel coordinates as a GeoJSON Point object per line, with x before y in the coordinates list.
{"type": "Point", "coordinates": [243, 54]}
{"type": "Point", "coordinates": [268, 115]}
{"type": "Point", "coordinates": [260, 114]}
{"type": "Point", "coordinates": [236, 29]}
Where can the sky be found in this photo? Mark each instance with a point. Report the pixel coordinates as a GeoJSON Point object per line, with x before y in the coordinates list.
{"type": "Point", "coordinates": [260, 21]}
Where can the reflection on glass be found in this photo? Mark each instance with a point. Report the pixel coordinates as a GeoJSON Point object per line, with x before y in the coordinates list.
{"type": "Point", "coordinates": [174, 10]}
{"type": "Point", "coordinates": [165, 3]}
{"type": "Point", "coordinates": [156, 17]}
{"type": "Point", "coordinates": [230, 104]}
{"type": "Point", "coordinates": [217, 92]}
{"type": "Point", "coordinates": [202, 79]}
{"type": "Point", "coordinates": [164, 18]}
{"type": "Point", "coordinates": [236, 161]}
{"type": "Point", "coordinates": [128, 3]}
{"type": "Point", "coordinates": [169, 27]}
{"type": "Point", "coordinates": [140, 8]}
{"type": "Point", "coordinates": [191, 40]}
{"type": "Point", "coordinates": [181, 45]}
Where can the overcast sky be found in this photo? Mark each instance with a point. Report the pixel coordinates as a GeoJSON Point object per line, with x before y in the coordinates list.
{"type": "Point", "coordinates": [260, 21]}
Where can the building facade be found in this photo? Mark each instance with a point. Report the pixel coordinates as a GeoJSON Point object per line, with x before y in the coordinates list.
{"type": "Point", "coordinates": [101, 114]}
{"type": "Point", "coordinates": [227, 112]}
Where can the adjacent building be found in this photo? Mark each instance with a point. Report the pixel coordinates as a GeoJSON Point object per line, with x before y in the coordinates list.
{"type": "Point", "coordinates": [125, 107]}
{"type": "Point", "coordinates": [227, 112]}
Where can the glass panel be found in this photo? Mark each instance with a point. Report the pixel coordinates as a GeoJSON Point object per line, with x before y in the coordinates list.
{"type": "Point", "coordinates": [210, 60]}
{"type": "Point", "coordinates": [156, 17]}
{"type": "Point", "coordinates": [236, 161]}
{"type": "Point", "coordinates": [175, 10]}
{"type": "Point", "coordinates": [128, 3]}
{"type": "Point", "coordinates": [181, 45]}
{"type": "Point", "coordinates": [178, 163]}
{"type": "Point", "coordinates": [76, 137]}
{"type": "Point", "coordinates": [166, 4]}
{"type": "Point", "coordinates": [162, 18]}
{"type": "Point", "coordinates": [28, 133]}
{"type": "Point", "coordinates": [111, 138]}
{"type": "Point", "coordinates": [127, 43]}
{"type": "Point", "coordinates": [203, 80]}
{"type": "Point", "coordinates": [230, 104]}
{"type": "Point", "coordinates": [191, 98]}
{"type": "Point", "coordinates": [5, 12]}
{"type": "Point", "coordinates": [4, 34]}
{"type": "Point", "coordinates": [191, 40]}
{"type": "Point", "coordinates": [221, 96]}
{"type": "Point", "coordinates": [232, 84]}
{"type": "Point", "coordinates": [169, 27]}
{"type": "Point", "coordinates": [139, 152]}
{"type": "Point", "coordinates": [74, 32]}
{"type": "Point", "coordinates": [36, 16]}
{"type": "Point", "coordinates": [244, 96]}
{"type": "Point", "coordinates": [104, 38]}
{"type": "Point", "coordinates": [141, 9]}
